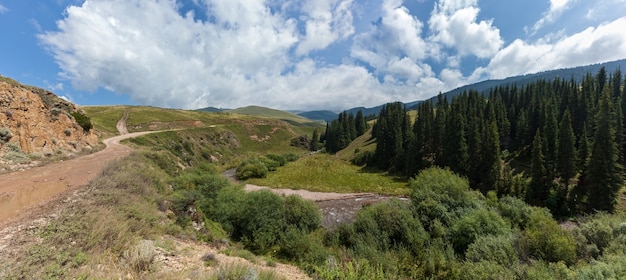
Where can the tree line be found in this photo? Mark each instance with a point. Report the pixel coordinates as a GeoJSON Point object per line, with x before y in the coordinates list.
{"type": "Point", "coordinates": [558, 144]}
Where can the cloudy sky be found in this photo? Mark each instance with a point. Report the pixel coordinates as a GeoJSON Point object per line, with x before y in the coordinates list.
{"type": "Point", "coordinates": [294, 54]}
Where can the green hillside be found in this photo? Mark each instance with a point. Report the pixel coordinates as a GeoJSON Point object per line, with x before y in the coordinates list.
{"type": "Point", "coordinates": [259, 111]}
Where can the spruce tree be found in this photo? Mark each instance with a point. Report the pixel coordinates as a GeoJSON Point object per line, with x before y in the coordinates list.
{"type": "Point", "coordinates": [539, 187]}
{"type": "Point", "coordinates": [566, 162]}
{"type": "Point", "coordinates": [604, 178]}
{"type": "Point", "coordinates": [360, 125]}
{"type": "Point", "coordinates": [315, 141]}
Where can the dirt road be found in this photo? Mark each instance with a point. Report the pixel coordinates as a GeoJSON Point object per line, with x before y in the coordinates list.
{"type": "Point", "coordinates": [22, 190]}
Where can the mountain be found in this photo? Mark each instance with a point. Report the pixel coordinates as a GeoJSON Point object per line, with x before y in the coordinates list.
{"type": "Point", "coordinates": [322, 115]}
{"type": "Point", "coordinates": [212, 110]}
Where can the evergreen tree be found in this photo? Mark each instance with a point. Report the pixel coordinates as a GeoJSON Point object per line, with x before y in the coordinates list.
{"type": "Point", "coordinates": [604, 178]}
{"type": "Point", "coordinates": [539, 187]}
{"type": "Point", "coordinates": [315, 142]}
{"type": "Point", "coordinates": [491, 164]}
{"type": "Point", "coordinates": [456, 151]}
{"type": "Point", "coordinates": [360, 125]}
{"type": "Point", "coordinates": [566, 163]}
{"type": "Point", "coordinates": [584, 150]}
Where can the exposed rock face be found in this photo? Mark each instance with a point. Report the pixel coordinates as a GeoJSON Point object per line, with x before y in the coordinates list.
{"type": "Point", "coordinates": [38, 122]}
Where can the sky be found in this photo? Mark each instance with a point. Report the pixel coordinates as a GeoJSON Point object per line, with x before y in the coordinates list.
{"type": "Point", "coordinates": [294, 54]}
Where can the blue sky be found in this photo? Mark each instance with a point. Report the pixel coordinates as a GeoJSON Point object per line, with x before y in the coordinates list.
{"type": "Point", "coordinates": [301, 55]}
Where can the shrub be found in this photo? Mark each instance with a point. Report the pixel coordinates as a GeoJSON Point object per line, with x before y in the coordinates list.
{"type": "Point", "coordinates": [243, 271]}
{"type": "Point", "coordinates": [597, 233]}
{"type": "Point", "coordinates": [5, 134]}
{"type": "Point", "coordinates": [140, 257]}
{"type": "Point", "coordinates": [262, 220]}
{"type": "Point", "coordinates": [493, 248]}
{"type": "Point", "coordinates": [476, 223]}
{"type": "Point", "coordinates": [290, 157]}
{"type": "Point", "coordinates": [83, 120]}
{"type": "Point", "coordinates": [281, 160]}
{"type": "Point", "coordinates": [486, 270]}
{"type": "Point", "coordinates": [302, 214]}
{"type": "Point", "coordinates": [543, 239]}
{"type": "Point", "coordinates": [515, 210]}
{"type": "Point", "coordinates": [439, 194]}
{"type": "Point", "coordinates": [226, 209]}
{"type": "Point", "coordinates": [389, 225]}
{"type": "Point", "coordinates": [252, 168]}
{"type": "Point", "coordinates": [271, 165]}
{"type": "Point", "coordinates": [298, 246]}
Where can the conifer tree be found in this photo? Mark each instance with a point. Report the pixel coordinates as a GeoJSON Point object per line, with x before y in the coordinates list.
{"type": "Point", "coordinates": [539, 187]}
{"type": "Point", "coordinates": [315, 141]}
{"type": "Point", "coordinates": [360, 125]}
{"type": "Point", "coordinates": [604, 178]}
{"type": "Point", "coordinates": [566, 162]}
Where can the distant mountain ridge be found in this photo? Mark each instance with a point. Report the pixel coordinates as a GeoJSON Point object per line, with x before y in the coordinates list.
{"type": "Point", "coordinates": [576, 73]}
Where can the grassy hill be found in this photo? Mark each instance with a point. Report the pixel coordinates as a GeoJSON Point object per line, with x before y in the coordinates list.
{"type": "Point", "coordinates": [259, 111]}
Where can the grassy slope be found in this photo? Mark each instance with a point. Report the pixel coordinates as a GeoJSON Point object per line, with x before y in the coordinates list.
{"type": "Point", "coordinates": [275, 114]}
{"type": "Point", "coordinates": [327, 173]}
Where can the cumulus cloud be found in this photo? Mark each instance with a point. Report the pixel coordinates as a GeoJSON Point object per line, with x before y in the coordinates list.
{"type": "Point", "coordinates": [454, 24]}
{"type": "Point", "coordinates": [326, 22]}
{"type": "Point", "coordinates": [263, 52]}
{"type": "Point", "coordinates": [397, 34]}
{"type": "Point", "coordinates": [148, 50]}
{"type": "Point", "coordinates": [592, 45]}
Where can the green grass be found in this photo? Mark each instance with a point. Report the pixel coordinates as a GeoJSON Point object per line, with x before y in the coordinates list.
{"type": "Point", "coordinates": [104, 118]}
{"type": "Point", "coordinates": [272, 113]}
{"type": "Point", "coordinates": [327, 173]}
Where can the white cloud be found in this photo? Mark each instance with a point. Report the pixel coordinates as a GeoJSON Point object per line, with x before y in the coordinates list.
{"type": "Point", "coordinates": [557, 7]}
{"type": "Point", "coordinates": [3, 9]}
{"type": "Point", "coordinates": [454, 24]}
{"type": "Point", "coordinates": [592, 45]}
{"type": "Point", "coordinates": [148, 50]}
{"type": "Point", "coordinates": [280, 53]}
{"type": "Point", "coordinates": [327, 21]}
{"type": "Point", "coordinates": [396, 35]}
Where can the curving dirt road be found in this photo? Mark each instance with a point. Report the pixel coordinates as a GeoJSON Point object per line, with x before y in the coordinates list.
{"type": "Point", "coordinates": [20, 191]}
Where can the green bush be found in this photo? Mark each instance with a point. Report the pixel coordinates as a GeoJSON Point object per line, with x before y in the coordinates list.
{"type": "Point", "coordinates": [281, 160]}
{"type": "Point", "coordinates": [5, 134]}
{"type": "Point", "coordinates": [479, 222]}
{"type": "Point", "coordinates": [389, 225]}
{"type": "Point", "coordinates": [543, 239]}
{"type": "Point", "coordinates": [302, 214]}
{"type": "Point", "coordinates": [486, 270]}
{"type": "Point", "coordinates": [439, 194]}
{"type": "Point", "coordinates": [271, 164]}
{"type": "Point", "coordinates": [262, 220]}
{"type": "Point", "coordinates": [493, 248]}
{"type": "Point", "coordinates": [515, 210]}
{"type": "Point", "coordinates": [83, 120]}
{"type": "Point", "coordinates": [252, 168]}
{"type": "Point", "coordinates": [295, 245]}
{"type": "Point", "coordinates": [226, 209]}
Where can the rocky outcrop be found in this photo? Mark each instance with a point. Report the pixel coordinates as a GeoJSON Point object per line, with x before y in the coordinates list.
{"type": "Point", "coordinates": [37, 122]}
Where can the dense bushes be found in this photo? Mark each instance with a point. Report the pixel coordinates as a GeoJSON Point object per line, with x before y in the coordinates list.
{"type": "Point", "coordinates": [446, 231]}
{"type": "Point", "coordinates": [259, 167]}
